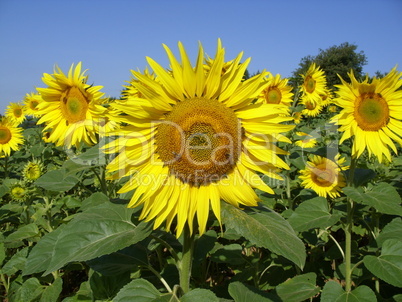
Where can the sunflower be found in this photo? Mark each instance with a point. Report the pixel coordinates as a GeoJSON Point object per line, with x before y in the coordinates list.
{"type": "Point", "coordinates": [31, 102]}
{"type": "Point", "coordinates": [314, 85]}
{"type": "Point", "coordinates": [19, 191]}
{"type": "Point", "coordinates": [297, 117]}
{"type": "Point", "coordinates": [308, 140]}
{"type": "Point", "coordinates": [311, 108]}
{"type": "Point", "coordinates": [70, 107]}
{"type": "Point", "coordinates": [194, 138]}
{"type": "Point", "coordinates": [372, 113]}
{"type": "Point", "coordinates": [10, 137]}
{"type": "Point", "coordinates": [324, 175]}
{"type": "Point", "coordinates": [15, 113]}
{"type": "Point", "coordinates": [277, 92]}
{"type": "Point", "coordinates": [32, 170]}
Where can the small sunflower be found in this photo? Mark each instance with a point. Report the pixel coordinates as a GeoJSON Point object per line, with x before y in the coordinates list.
{"type": "Point", "coordinates": [31, 102]}
{"type": "Point", "coordinates": [308, 140]}
{"type": "Point", "coordinates": [314, 85]}
{"type": "Point", "coordinates": [70, 107]}
{"type": "Point", "coordinates": [324, 176]}
{"type": "Point", "coordinates": [10, 137]}
{"type": "Point", "coordinates": [19, 192]}
{"type": "Point", "coordinates": [371, 112]}
{"type": "Point", "coordinates": [15, 113]}
{"type": "Point", "coordinates": [297, 117]}
{"type": "Point", "coordinates": [277, 92]}
{"type": "Point", "coordinates": [311, 108]}
{"type": "Point", "coordinates": [195, 137]}
{"type": "Point", "coordinates": [32, 170]}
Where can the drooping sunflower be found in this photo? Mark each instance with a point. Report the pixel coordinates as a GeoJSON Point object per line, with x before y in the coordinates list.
{"type": "Point", "coordinates": [194, 137]}
{"type": "Point", "coordinates": [277, 92]}
{"type": "Point", "coordinates": [371, 112]}
{"type": "Point", "coordinates": [32, 170]}
{"type": "Point", "coordinates": [10, 137]}
{"type": "Point", "coordinates": [324, 176]}
{"type": "Point", "coordinates": [70, 108]}
{"type": "Point", "coordinates": [15, 113]}
{"type": "Point", "coordinates": [314, 85]}
{"type": "Point", "coordinates": [31, 102]}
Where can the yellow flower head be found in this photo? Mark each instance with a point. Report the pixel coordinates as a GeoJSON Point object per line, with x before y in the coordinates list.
{"type": "Point", "coordinates": [324, 176]}
{"type": "Point", "coordinates": [19, 192]}
{"type": "Point", "coordinates": [195, 137]}
{"type": "Point", "coordinates": [10, 137]}
{"type": "Point", "coordinates": [31, 102]}
{"type": "Point", "coordinates": [314, 85]}
{"type": "Point", "coordinates": [277, 92]}
{"type": "Point", "coordinates": [297, 117]}
{"type": "Point", "coordinates": [70, 107]}
{"type": "Point", "coordinates": [308, 140]}
{"type": "Point", "coordinates": [311, 108]}
{"type": "Point", "coordinates": [371, 113]}
{"type": "Point", "coordinates": [32, 170]}
{"type": "Point", "coordinates": [15, 113]}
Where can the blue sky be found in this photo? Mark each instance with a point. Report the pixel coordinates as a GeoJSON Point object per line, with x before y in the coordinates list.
{"type": "Point", "coordinates": [113, 37]}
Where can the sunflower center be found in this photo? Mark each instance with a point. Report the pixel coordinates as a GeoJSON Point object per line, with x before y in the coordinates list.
{"type": "Point", "coordinates": [17, 112]}
{"type": "Point", "coordinates": [33, 104]}
{"type": "Point", "coordinates": [199, 141]}
{"type": "Point", "coordinates": [273, 95]}
{"type": "Point", "coordinates": [323, 176]}
{"type": "Point", "coordinates": [5, 135]}
{"type": "Point", "coordinates": [74, 105]}
{"type": "Point", "coordinates": [309, 83]}
{"type": "Point", "coordinates": [372, 112]}
{"type": "Point", "coordinates": [310, 105]}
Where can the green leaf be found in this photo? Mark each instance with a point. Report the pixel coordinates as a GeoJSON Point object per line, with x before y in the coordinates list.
{"type": "Point", "coordinates": [30, 290]}
{"type": "Point", "coordinates": [24, 232]}
{"type": "Point", "coordinates": [268, 230]}
{"type": "Point", "coordinates": [52, 292]}
{"type": "Point", "coordinates": [2, 252]}
{"type": "Point", "coordinates": [139, 290]}
{"type": "Point", "coordinates": [16, 263]}
{"type": "Point", "coordinates": [383, 197]}
{"type": "Point", "coordinates": [231, 253]}
{"type": "Point", "coordinates": [57, 180]}
{"type": "Point", "coordinates": [199, 294]}
{"type": "Point", "coordinates": [299, 288]}
{"type": "Point", "coordinates": [392, 230]}
{"type": "Point", "coordinates": [333, 292]}
{"type": "Point", "coordinates": [244, 293]}
{"type": "Point", "coordinates": [312, 213]}
{"type": "Point", "coordinates": [106, 287]}
{"type": "Point", "coordinates": [388, 266]}
{"type": "Point", "coordinates": [90, 158]}
{"type": "Point", "coordinates": [99, 231]}
{"type": "Point", "coordinates": [94, 200]}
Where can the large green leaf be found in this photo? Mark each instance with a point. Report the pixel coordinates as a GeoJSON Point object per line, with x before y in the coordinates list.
{"type": "Point", "coordinates": [383, 197]}
{"type": "Point", "coordinates": [299, 288]}
{"type": "Point", "coordinates": [199, 294]}
{"type": "Point", "coordinates": [16, 263]}
{"type": "Point", "coordinates": [57, 180]}
{"type": "Point", "coordinates": [392, 230]}
{"type": "Point", "coordinates": [388, 266]}
{"type": "Point", "coordinates": [268, 230]}
{"type": "Point", "coordinates": [333, 292]}
{"type": "Point", "coordinates": [312, 213]}
{"type": "Point", "coordinates": [140, 290]}
{"type": "Point", "coordinates": [52, 292]}
{"type": "Point", "coordinates": [244, 293]}
{"type": "Point", "coordinates": [102, 230]}
{"type": "Point", "coordinates": [24, 232]}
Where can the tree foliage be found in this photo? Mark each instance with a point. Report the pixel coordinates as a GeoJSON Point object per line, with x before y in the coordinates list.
{"type": "Point", "coordinates": [335, 60]}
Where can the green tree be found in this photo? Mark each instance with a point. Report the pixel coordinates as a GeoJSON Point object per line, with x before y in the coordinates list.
{"type": "Point", "coordinates": [335, 60]}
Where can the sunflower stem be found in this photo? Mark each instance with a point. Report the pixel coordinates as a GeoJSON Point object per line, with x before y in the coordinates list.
{"type": "Point", "coordinates": [186, 260]}
{"type": "Point", "coordinates": [348, 230]}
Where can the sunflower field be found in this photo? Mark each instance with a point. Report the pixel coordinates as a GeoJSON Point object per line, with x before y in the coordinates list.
{"type": "Point", "coordinates": [201, 183]}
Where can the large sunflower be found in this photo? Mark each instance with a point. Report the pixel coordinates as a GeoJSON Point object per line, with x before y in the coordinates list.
{"type": "Point", "coordinates": [10, 137]}
{"type": "Point", "coordinates": [372, 113]}
{"type": "Point", "coordinates": [15, 113]}
{"type": "Point", "coordinates": [314, 85]}
{"type": "Point", "coordinates": [194, 137]}
{"type": "Point", "coordinates": [324, 175]}
{"type": "Point", "coordinates": [70, 107]}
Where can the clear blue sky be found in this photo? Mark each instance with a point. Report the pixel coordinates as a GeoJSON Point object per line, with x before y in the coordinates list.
{"type": "Point", "coordinates": [112, 37]}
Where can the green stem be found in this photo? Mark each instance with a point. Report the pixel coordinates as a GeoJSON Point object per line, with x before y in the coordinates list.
{"type": "Point", "coordinates": [102, 180]}
{"type": "Point", "coordinates": [168, 246]}
{"type": "Point", "coordinates": [348, 230]}
{"type": "Point", "coordinates": [155, 272]}
{"type": "Point", "coordinates": [186, 260]}
{"type": "Point", "coordinates": [6, 284]}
